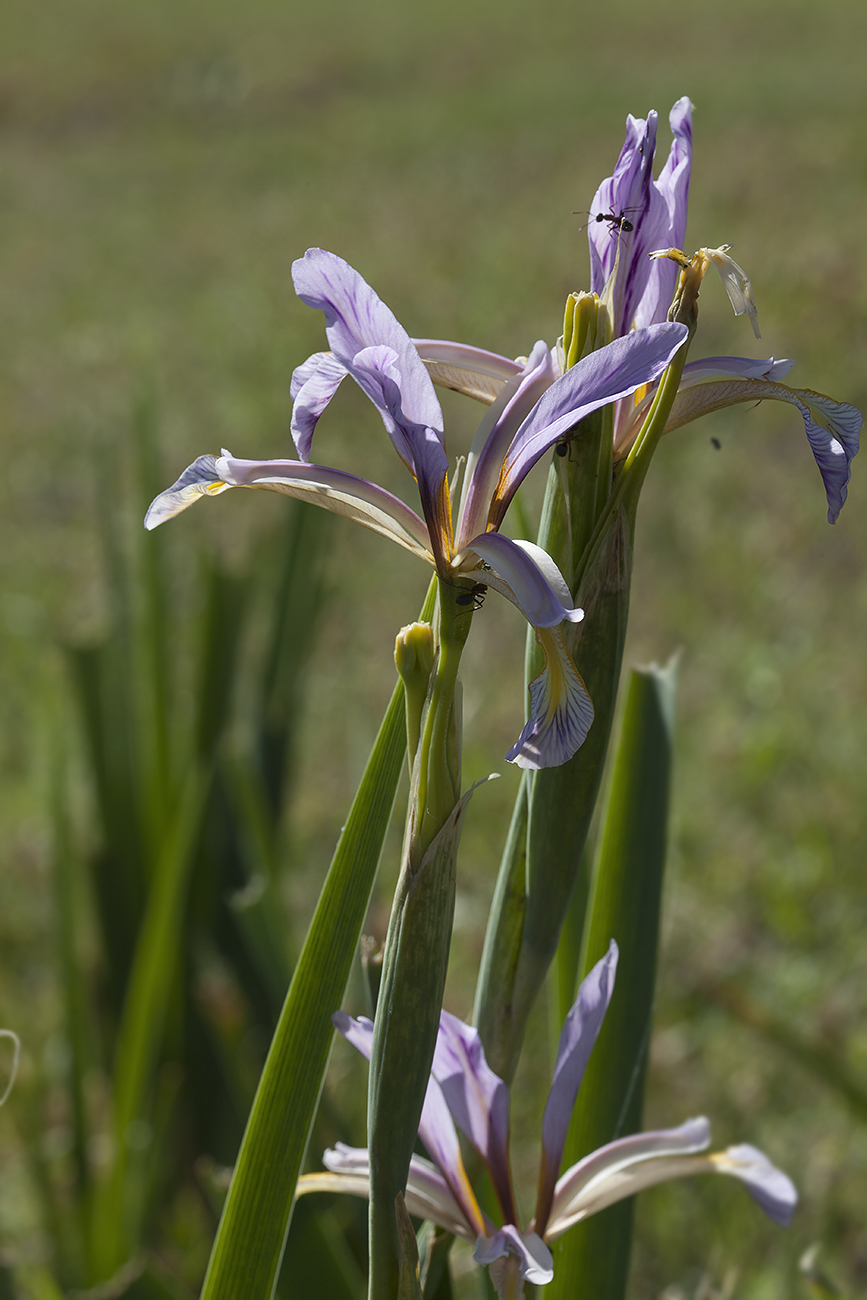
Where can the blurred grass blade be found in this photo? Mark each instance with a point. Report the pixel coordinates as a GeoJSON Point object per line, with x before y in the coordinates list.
{"type": "Point", "coordinates": [116, 1206]}
{"type": "Point", "coordinates": [593, 1257]}
{"type": "Point", "coordinates": [250, 1239]}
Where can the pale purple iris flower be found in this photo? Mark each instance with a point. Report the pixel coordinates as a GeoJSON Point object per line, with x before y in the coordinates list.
{"type": "Point", "coordinates": [635, 290]}
{"type": "Point", "coordinates": [463, 1091]}
{"type": "Point", "coordinates": [531, 408]}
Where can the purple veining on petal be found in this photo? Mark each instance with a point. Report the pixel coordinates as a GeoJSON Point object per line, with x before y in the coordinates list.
{"type": "Point", "coordinates": [199, 479]}
{"type": "Point", "coordinates": [377, 352]}
{"type": "Point", "coordinates": [769, 1187]}
{"type": "Point", "coordinates": [356, 318]}
{"type": "Point", "coordinates": [312, 388]}
{"type": "Point", "coordinates": [601, 377]}
{"type": "Point", "coordinates": [577, 1041]}
{"type": "Point", "coordinates": [699, 372]}
{"type": "Point", "coordinates": [561, 711]}
{"type": "Point", "coordinates": [478, 1100]}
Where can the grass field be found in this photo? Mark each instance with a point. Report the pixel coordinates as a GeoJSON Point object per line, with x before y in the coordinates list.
{"type": "Point", "coordinates": [160, 168]}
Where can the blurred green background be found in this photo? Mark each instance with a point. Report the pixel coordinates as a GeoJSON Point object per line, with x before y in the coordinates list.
{"type": "Point", "coordinates": [160, 167]}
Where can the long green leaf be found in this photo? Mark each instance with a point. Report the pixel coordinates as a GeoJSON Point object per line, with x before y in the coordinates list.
{"type": "Point", "coordinates": [250, 1239]}
{"type": "Point", "coordinates": [593, 1258]}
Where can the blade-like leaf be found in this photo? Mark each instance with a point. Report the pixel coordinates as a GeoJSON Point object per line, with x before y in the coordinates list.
{"type": "Point", "coordinates": [593, 1258]}
{"type": "Point", "coordinates": [252, 1232]}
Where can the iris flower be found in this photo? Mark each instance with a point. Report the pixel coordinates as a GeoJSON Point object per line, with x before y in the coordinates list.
{"type": "Point", "coordinates": [634, 290]}
{"type": "Point", "coordinates": [464, 1091]}
{"type": "Point", "coordinates": [531, 408]}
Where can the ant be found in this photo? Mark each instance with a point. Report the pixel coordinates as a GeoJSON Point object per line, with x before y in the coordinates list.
{"type": "Point", "coordinates": [616, 221]}
{"type": "Point", "coordinates": [475, 596]}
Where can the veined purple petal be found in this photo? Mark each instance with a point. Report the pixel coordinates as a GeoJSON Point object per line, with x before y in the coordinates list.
{"type": "Point", "coordinates": [436, 1127]}
{"type": "Point", "coordinates": [561, 711]}
{"type": "Point", "coordinates": [673, 185]}
{"type": "Point", "coordinates": [313, 385]}
{"type": "Point", "coordinates": [832, 428]}
{"type": "Point", "coordinates": [366, 338]}
{"type": "Point", "coordinates": [767, 1185]}
{"type": "Point", "coordinates": [343, 494]}
{"type": "Point", "coordinates": [577, 1040]}
{"type": "Point", "coordinates": [198, 480]}
{"type": "Point", "coordinates": [529, 578]}
{"type": "Point", "coordinates": [478, 1100]}
{"type": "Point", "coordinates": [601, 377]}
{"type": "Point", "coordinates": [536, 1260]}
{"type": "Point", "coordinates": [355, 319]}
{"type": "Point", "coordinates": [494, 436]}
{"type": "Point", "coordinates": [632, 190]}
{"type": "Point", "coordinates": [472, 371]}
{"type": "Point", "coordinates": [621, 1168]}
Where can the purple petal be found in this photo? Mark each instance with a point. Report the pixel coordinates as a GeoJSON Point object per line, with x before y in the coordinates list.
{"type": "Point", "coordinates": [632, 190]}
{"type": "Point", "coordinates": [832, 428]}
{"type": "Point", "coordinates": [561, 711]}
{"type": "Point", "coordinates": [344, 494]}
{"type": "Point", "coordinates": [698, 372]}
{"type": "Point", "coordinates": [766, 1184]}
{"type": "Point", "coordinates": [673, 186]}
{"type": "Point", "coordinates": [199, 479]}
{"type": "Point", "coordinates": [478, 1100]}
{"type": "Point", "coordinates": [377, 352]}
{"type": "Point", "coordinates": [427, 1194]}
{"type": "Point", "coordinates": [621, 1168]}
{"type": "Point", "coordinates": [536, 1260]}
{"type": "Point", "coordinates": [601, 377]}
{"type": "Point", "coordinates": [312, 388]}
{"type": "Point", "coordinates": [465, 369]}
{"type": "Point", "coordinates": [577, 1041]}
{"type": "Point", "coordinates": [494, 437]}
{"type": "Point", "coordinates": [436, 1128]}
{"type": "Point", "coordinates": [529, 578]}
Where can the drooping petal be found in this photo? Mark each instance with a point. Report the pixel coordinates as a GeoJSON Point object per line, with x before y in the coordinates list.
{"type": "Point", "coordinates": [344, 494]}
{"type": "Point", "coordinates": [526, 575]}
{"type": "Point", "coordinates": [610, 1174]}
{"type": "Point", "coordinates": [436, 1127]}
{"type": "Point", "coordinates": [673, 186]}
{"type": "Point", "coordinates": [561, 711]}
{"type": "Point", "coordinates": [200, 479]}
{"type": "Point", "coordinates": [602, 377]}
{"type": "Point", "coordinates": [629, 1165]}
{"type": "Point", "coordinates": [427, 1194]}
{"type": "Point", "coordinates": [577, 1040]}
{"type": "Point", "coordinates": [535, 1259]}
{"type": "Point", "coordinates": [773, 1190]}
{"type": "Point", "coordinates": [832, 428]}
{"type": "Point", "coordinates": [472, 371]}
{"type": "Point", "coordinates": [313, 385]}
{"type": "Point", "coordinates": [478, 1100]}
{"type": "Point", "coordinates": [494, 436]}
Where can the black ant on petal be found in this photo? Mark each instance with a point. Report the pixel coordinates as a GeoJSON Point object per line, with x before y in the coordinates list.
{"type": "Point", "coordinates": [616, 220]}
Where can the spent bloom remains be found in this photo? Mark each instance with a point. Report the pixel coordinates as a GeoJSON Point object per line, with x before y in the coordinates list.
{"type": "Point", "coordinates": [464, 1091]}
